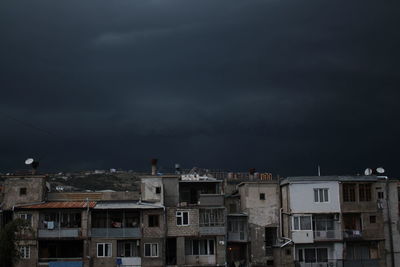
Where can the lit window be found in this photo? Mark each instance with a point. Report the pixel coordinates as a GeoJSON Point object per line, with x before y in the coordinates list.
{"type": "Point", "coordinates": [182, 218]}
{"type": "Point", "coordinates": [151, 250]}
{"type": "Point", "coordinates": [24, 252]}
{"type": "Point", "coordinates": [104, 250]}
{"type": "Point", "coordinates": [321, 195]}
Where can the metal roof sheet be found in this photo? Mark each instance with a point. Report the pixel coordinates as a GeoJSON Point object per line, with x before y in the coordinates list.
{"type": "Point", "coordinates": [126, 205]}
{"type": "Point", "coordinates": [60, 205]}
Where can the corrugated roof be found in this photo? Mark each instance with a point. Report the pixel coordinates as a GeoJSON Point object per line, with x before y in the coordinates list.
{"type": "Point", "coordinates": [60, 205]}
{"type": "Point", "coordinates": [126, 205]}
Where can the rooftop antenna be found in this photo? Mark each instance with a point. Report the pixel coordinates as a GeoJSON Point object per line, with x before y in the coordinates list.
{"type": "Point", "coordinates": [319, 170]}
{"type": "Point", "coordinates": [33, 163]}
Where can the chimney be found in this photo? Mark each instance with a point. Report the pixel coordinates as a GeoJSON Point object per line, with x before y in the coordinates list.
{"type": "Point", "coordinates": [154, 166]}
{"type": "Point", "coordinates": [252, 171]}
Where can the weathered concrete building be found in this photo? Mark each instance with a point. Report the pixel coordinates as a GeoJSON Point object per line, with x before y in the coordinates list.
{"type": "Point", "coordinates": [260, 201]}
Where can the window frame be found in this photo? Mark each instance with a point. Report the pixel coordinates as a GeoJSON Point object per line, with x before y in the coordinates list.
{"type": "Point", "coordinates": [262, 196]}
{"type": "Point", "coordinates": [301, 255]}
{"type": "Point", "coordinates": [23, 191]}
{"type": "Point", "coordinates": [181, 216]}
{"type": "Point", "coordinates": [365, 192]}
{"type": "Point", "coordinates": [349, 192]}
{"type": "Point", "coordinates": [104, 250]}
{"type": "Point", "coordinates": [321, 195]}
{"type": "Point", "coordinates": [151, 250]}
{"type": "Point", "coordinates": [25, 252]}
{"type": "Point", "coordinates": [299, 222]}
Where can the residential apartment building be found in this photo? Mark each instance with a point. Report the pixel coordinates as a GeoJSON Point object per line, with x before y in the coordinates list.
{"type": "Point", "coordinates": [188, 220]}
{"type": "Point", "coordinates": [195, 218]}
{"type": "Point", "coordinates": [339, 220]}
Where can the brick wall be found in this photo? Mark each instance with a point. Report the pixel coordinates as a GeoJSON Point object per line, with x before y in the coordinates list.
{"type": "Point", "coordinates": [191, 230]}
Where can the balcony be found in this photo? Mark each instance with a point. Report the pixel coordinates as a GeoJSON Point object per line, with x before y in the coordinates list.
{"type": "Point", "coordinates": [327, 235]}
{"type": "Point", "coordinates": [116, 232]}
{"type": "Point", "coordinates": [352, 234]}
{"type": "Point", "coordinates": [211, 200]}
{"type": "Point", "coordinates": [59, 233]}
{"type": "Point", "coordinates": [212, 230]}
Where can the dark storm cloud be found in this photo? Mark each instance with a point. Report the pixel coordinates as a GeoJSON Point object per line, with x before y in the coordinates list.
{"type": "Point", "coordinates": [277, 85]}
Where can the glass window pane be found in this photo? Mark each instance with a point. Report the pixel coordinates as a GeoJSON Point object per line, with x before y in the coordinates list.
{"type": "Point", "coordinates": [100, 250]}
{"type": "Point", "coordinates": [195, 247]}
{"type": "Point", "coordinates": [305, 223]}
{"type": "Point", "coordinates": [315, 195]}
{"type": "Point", "coordinates": [309, 255]}
{"type": "Point", "coordinates": [296, 223]}
{"type": "Point", "coordinates": [185, 218]}
{"type": "Point", "coordinates": [147, 252]}
{"type": "Point", "coordinates": [211, 246]}
{"type": "Point", "coordinates": [326, 195]}
{"type": "Point", "coordinates": [322, 255]}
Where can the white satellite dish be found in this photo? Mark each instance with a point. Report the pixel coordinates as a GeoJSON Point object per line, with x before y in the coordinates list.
{"type": "Point", "coordinates": [29, 161]}
{"type": "Point", "coordinates": [380, 170]}
{"type": "Point", "coordinates": [368, 171]}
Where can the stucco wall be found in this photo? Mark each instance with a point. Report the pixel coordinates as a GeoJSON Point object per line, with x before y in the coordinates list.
{"type": "Point", "coordinates": [302, 198]}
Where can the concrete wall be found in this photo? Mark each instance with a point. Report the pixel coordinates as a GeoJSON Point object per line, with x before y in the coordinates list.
{"type": "Point", "coordinates": [395, 224]}
{"type": "Point", "coordinates": [302, 198]}
{"type": "Point", "coordinates": [35, 191]}
{"type": "Point", "coordinates": [153, 232]}
{"type": "Point", "coordinates": [153, 261]}
{"type": "Point", "coordinates": [171, 191]}
{"type": "Point", "coordinates": [191, 230]}
{"type": "Point", "coordinates": [33, 254]}
{"type": "Point", "coordinates": [261, 212]}
{"type": "Point", "coordinates": [148, 189]}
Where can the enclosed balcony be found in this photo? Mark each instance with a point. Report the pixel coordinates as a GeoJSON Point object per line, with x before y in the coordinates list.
{"type": "Point", "coordinates": [212, 221]}
{"type": "Point", "coordinates": [211, 200]}
{"type": "Point", "coordinates": [115, 223]}
{"type": "Point", "coordinates": [59, 224]}
{"type": "Point", "coordinates": [237, 228]}
{"type": "Point", "coordinates": [326, 227]}
{"type": "Point", "coordinates": [352, 226]}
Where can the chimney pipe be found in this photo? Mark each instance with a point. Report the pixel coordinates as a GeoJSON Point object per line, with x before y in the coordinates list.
{"type": "Point", "coordinates": [154, 166]}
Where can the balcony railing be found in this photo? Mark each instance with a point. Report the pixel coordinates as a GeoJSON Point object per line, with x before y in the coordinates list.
{"type": "Point", "coordinates": [212, 230]}
{"type": "Point", "coordinates": [352, 234]}
{"type": "Point", "coordinates": [116, 232]}
{"type": "Point", "coordinates": [67, 232]}
{"type": "Point", "coordinates": [327, 235]}
{"type": "Point", "coordinates": [328, 263]}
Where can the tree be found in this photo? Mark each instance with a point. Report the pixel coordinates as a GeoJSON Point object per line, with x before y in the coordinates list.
{"type": "Point", "coordinates": [9, 252]}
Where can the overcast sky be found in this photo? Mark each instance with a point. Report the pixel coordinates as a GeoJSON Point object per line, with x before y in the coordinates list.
{"type": "Point", "coordinates": [278, 85]}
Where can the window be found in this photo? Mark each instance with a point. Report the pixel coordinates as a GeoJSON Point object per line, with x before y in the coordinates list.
{"type": "Point", "coordinates": [364, 191]}
{"type": "Point", "coordinates": [158, 190]}
{"type": "Point", "coordinates": [302, 223]}
{"type": "Point", "coordinates": [310, 255]}
{"type": "Point", "coordinates": [104, 250]}
{"type": "Point", "coordinates": [129, 248]}
{"type": "Point", "coordinates": [211, 217]}
{"type": "Point", "coordinates": [323, 222]}
{"type": "Point", "coordinates": [349, 192]}
{"type": "Point", "coordinates": [321, 195]}
{"type": "Point", "coordinates": [182, 218]}
{"type": "Point", "coordinates": [262, 196]}
{"type": "Point", "coordinates": [151, 250]}
{"type": "Point", "coordinates": [24, 252]}
{"type": "Point", "coordinates": [372, 219]}
{"type": "Point", "coordinates": [27, 217]}
{"type": "Point", "coordinates": [270, 240]}
{"type": "Point", "coordinates": [381, 195]}
{"type": "Point", "coordinates": [153, 221]}
{"type": "Point", "coordinates": [22, 191]}
{"type": "Point", "coordinates": [199, 246]}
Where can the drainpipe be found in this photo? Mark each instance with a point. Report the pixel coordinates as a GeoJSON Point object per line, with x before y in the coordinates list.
{"type": "Point", "coordinates": [390, 224]}
{"type": "Point", "coordinates": [87, 233]}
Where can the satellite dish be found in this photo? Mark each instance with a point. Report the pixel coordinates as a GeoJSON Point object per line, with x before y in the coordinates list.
{"type": "Point", "coordinates": [380, 170]}
{"type": "Point", "coordinates": [368, 171]}
{"type": "Point", "coordinates": [29, 161]}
